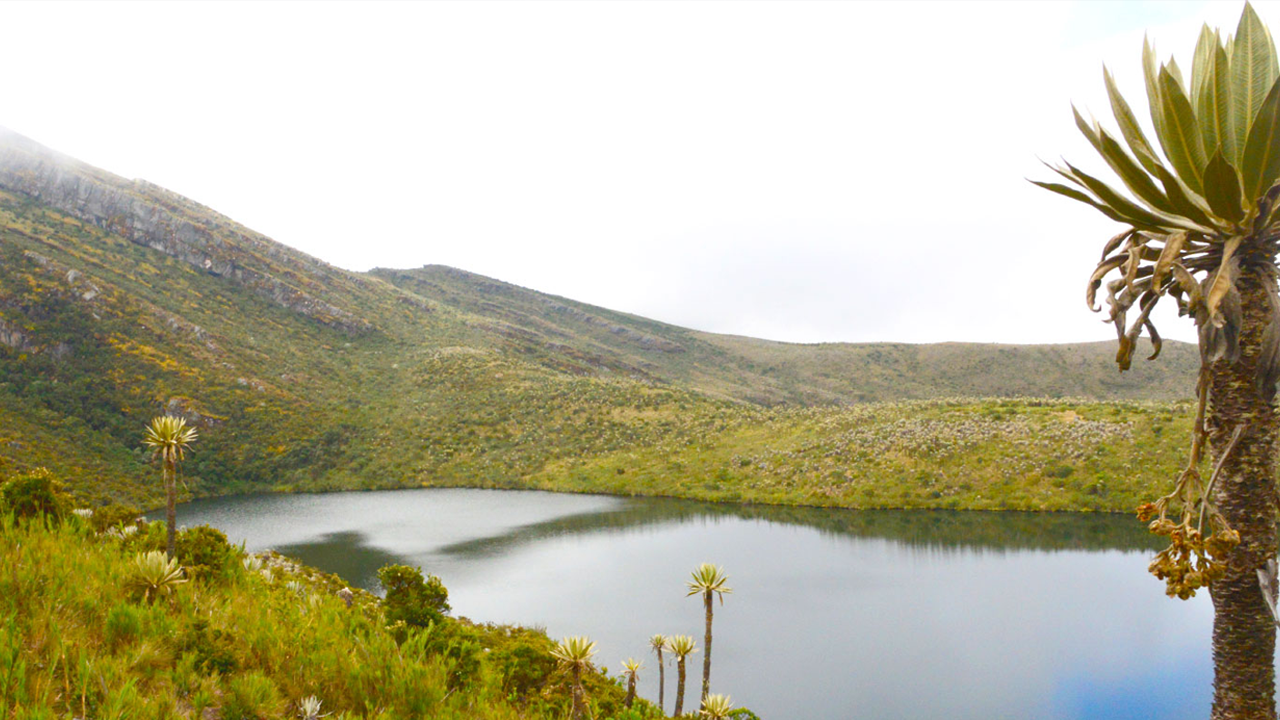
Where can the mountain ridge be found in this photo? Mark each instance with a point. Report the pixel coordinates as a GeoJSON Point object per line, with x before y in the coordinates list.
{"type": "Point", "coordinates": [120, 300]}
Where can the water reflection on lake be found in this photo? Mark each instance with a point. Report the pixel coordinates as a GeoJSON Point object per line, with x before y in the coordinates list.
{"type": "Point", "coordinates": [834, 614]}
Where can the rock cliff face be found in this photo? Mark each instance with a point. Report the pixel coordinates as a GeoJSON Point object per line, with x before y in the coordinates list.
{"type": "Point", "coordinates": [149, 215]}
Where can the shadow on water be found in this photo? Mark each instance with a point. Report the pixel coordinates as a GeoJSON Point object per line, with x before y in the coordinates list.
{"type": "Point", "coordinates": [931, 530]}
{"type": "Point", "coordinates": [346, 554]}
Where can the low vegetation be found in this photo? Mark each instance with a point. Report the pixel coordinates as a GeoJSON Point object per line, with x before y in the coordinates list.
{"type": "Point", "coordinates": [96, 624]}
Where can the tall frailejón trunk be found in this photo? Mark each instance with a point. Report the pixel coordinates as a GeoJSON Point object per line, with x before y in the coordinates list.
{"type": "Point", "coordinates": [679, 687]}
{"type": "Point", "coordinates": [662, 683]}
{"type": "Point", "coordinates": [579, 706]}
{"type": "Point", "coordinates": [631, 691]}
{"type": "Point", "coordinates": [1244, 632]}
{"type": "Point", "coordinates": [171, 510]}
{"type": "Point", "coordinates": [706, 658]}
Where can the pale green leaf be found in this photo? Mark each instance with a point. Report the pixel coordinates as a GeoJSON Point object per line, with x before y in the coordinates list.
{"type": "Point", "coordinates": [1200, 70]}
{"type": "Point", "coordinates": [1151, 75]}
{"type": "Point", "coordinates": [1133, 213]}
{"type": "Point", "coordinates": [1253, 72]}
{"type": "Point", "coordinates": [1179, 133]}
{"type": "Point", "coordinates": [1138, 182]}
{"type": "Point", "coordinates": [1222, 188]}
{"type": "Point", "coordinates": [1213, 104]}
{"type": "Point", "coordinates": [1189, 204]}
{"type": "Point", "coordinates": [1261, 165]}
{"type": "Point", "coordinates": [1129, 127]}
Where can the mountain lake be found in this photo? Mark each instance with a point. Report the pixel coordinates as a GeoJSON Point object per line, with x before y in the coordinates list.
{"type": "Point", "coordinates": [834, 614]}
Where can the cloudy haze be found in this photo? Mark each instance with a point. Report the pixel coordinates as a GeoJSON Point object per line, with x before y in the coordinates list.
{"type": "Point", "coordinates": [803, 172]}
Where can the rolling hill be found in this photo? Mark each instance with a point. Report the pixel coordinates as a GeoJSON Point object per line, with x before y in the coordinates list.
{"type": "Point", "coordinates": [120, 300]}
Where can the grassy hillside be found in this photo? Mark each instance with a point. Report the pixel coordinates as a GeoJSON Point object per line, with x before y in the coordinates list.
{"type": "Point", "coordinates": [120, 300]}
{"type": "Point", "coordinates": [237, 642]}
{"type": "Point", "coordinates": [998, 454]}
{"type": "Point", "coordinates": [769, 373]}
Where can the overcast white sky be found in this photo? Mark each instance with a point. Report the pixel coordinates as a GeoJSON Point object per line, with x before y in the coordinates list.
{"type": "Point", "coordinates": [804, 172]}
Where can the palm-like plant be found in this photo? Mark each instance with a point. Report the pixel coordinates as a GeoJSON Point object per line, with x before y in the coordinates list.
{"type": "Point", "coordinates": [631, 668]}
{"type": "Point", "coordinates": [169, 438]}
{"type": "Point", "coordinates": [658, 643]}
{"type": "Point", "coordinates": [1202, 227]}
{"type": "Point", "coordinates": [574, 654]}
{"type": "Point", "coordinates": [708, 580]}
{"type": "Point", "coordinates": [682, 646]}
{"type": "Point", "coordinates": [154, 575]}
{"type": "Point", "coordinates": [716, 707]}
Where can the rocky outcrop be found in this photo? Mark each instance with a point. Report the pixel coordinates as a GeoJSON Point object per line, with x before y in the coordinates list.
{"type": "Point", "coordinates": [15, 339]}
{"type": "Point", "coordinates": [148, 215]}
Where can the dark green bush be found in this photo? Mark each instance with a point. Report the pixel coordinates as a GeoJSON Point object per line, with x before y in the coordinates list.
{"type": "Point", "coordinates": [205, 553]}
{"type": "Point", "coordinates": [410, 599]}
{"type": "Point", "coordinates": [35, 492]}
{"type": "Point", "coordinates": [213, 649]}
{"type": "Point", "coordinates": [524, 669]}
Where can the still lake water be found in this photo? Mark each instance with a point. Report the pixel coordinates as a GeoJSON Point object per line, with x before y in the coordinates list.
{"type": "Point", "coordinates": [835, 614]}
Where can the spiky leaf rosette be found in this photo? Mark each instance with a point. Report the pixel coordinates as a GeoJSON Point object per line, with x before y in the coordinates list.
{"type": "Point", "coordinates": [716, 707]}
{"type": "Point", "coordinates": [576, 650]}
{"type": "Point", "coordinates": [708, 578]}
{"type": "Point", "coordinates": [1203, 210]}
{"type": "Point", "coordinates": [657, 642]}
{"type": "Point", "coordinates": [169, 438]}
{"type": "Point", "coordinates": [681, 645]}
{"type": "Point", "coordinates": [154, 575]}
{"type": "Point", "coordinates": [631, 667]}
{"type": "Point", "coordinates": [1199, 214]}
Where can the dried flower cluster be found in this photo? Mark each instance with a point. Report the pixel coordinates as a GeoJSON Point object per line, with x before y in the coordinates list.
{"type": "Point", "coordinates": [1191, 561]}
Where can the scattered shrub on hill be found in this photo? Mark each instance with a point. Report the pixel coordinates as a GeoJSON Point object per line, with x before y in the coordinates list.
{"type": "Point", "coordinates": [113, 516]}
{"type": "Point", "coordinates": [124, 625]}
{"type": "Point", "coordinates": [410, 599]}
{"type": "Point", "coordinates": [34, 493]}
{"type": "Point", "coordinates": [205, 553]}
{"type": "Point", "coordinates": [252, 696]}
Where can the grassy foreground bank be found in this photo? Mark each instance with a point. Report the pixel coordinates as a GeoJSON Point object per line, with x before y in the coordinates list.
{"type": "Point", "coordinates": [241, 641]}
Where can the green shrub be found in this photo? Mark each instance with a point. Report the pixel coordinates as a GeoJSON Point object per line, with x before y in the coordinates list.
{"type": "Point", "coordinates": [524, 669]}
{"type": "Point", "coordinates": [36, 492]}
{"type": "Point", "coordinates": [213, 649]}
{"type": "Point", "coordinates": [252, 697]}
{"type": "Point", "coordinates": [205, 552]}
{"type": "Point", "coordinates": [124, 624]}
{"type": "Point", "coordinates": [410, 599]}
{"type": "Point", "coordinates": [113, 516]}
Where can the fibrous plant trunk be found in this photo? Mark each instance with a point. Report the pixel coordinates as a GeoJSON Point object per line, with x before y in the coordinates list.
{"type": "Point", "coordinates": [679, 687]}
{"type": "Point", "coordinates": [631, 691]}
{"type": "Point", "coordinates": [171, 510]}
{"type": "Point", "coordinates": [1244, 631]}
{"type": "Point", "coordinates": [706, 658]}
{"type": "Point", "coordinates": [579, 702]}
{"type": "Point", "coordinates": [662, 683]}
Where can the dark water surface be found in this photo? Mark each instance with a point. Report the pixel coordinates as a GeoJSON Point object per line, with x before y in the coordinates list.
{"type": "Point", "coordinates": [835, 614]}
